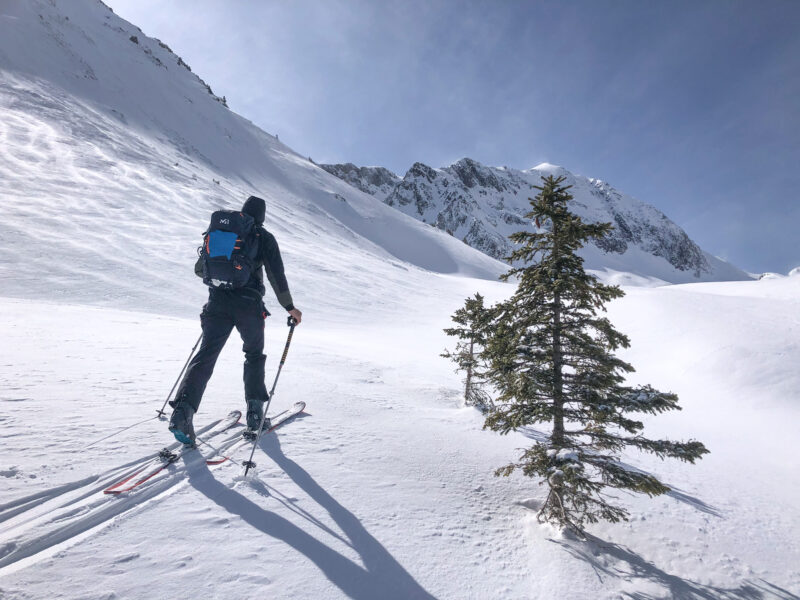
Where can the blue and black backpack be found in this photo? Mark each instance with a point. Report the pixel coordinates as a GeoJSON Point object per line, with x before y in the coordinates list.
{"type": "Point", "coordinates": [229, 250]}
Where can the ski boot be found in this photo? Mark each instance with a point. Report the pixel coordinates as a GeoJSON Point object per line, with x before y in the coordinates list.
{"type": "Point", "coordinates": [180, 423]}
{"type": "Point", "coordinates": [255, 411]}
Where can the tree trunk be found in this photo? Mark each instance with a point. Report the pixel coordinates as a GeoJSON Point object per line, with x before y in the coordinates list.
{"type": "Point", "coordinates": [558, 384]}
{"type": "Point", "coordinates": [468, 386]}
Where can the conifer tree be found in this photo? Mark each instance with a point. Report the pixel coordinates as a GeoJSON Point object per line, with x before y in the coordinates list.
{"type": "Point", "coordinates": [473, 320]}
{"type": "Point", "coordinates": [551, 360]}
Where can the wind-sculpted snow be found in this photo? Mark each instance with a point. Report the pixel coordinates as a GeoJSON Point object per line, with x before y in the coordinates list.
{"type": "Point", "coordinates": [482, 205]}
{"type": "Point", "coordinates": [113, 154]}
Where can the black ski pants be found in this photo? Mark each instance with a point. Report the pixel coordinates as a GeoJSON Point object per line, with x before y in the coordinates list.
{"type": "Point", "coordinates": [224, 311]}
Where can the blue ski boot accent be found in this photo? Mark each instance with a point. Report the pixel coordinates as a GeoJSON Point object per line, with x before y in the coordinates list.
{"type": "Point", "coordinates": [180, 424]}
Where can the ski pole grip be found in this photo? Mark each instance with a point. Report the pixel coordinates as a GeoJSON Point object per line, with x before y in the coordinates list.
{"type": "Point", "coordinates": [291, 321]}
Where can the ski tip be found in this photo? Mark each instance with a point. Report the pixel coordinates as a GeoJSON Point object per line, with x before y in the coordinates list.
{"type": "Point", "coordinates": [235, 414]}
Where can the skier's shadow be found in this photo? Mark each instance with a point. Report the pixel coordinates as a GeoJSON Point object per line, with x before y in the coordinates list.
{"type": "Point", "coordinates": [381, 577]}
{"type": "Point", "coordinates": [617, 561]}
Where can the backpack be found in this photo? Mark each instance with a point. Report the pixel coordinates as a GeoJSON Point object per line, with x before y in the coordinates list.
{"type": "Point", "coordinates": [229, 250]}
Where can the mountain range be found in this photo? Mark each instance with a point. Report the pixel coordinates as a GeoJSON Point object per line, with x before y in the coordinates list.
{"type": "Point", "coordinates": [482, 206]}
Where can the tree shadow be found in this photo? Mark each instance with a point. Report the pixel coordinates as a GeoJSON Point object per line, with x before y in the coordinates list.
{"type": "Point", "coordinates": [614, 560]}
{"type": "Point", "coordinates": [534, 434]}
{"type": "Point", "coordinates": [675, 493]}
{"type": "Point", "coordinates": [692, 501]}
{"type": "Point", "coordinates": [381, 577]}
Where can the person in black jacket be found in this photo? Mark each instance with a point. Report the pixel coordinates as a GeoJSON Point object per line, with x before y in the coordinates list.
{"type": "Point", "coordinates": [244, 309]}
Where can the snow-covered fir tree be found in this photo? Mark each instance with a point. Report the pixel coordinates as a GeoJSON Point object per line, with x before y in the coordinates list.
{"type": "Point", "coordinates": [551, 359]}
{"type": "Point", "coordinates": [472, 322]}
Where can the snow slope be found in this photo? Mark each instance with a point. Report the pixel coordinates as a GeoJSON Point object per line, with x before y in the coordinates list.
{"type": "Point", "coordinates": [483, 205]}
{"type": "Point", "coordinates": [92, 139]}
{"type": "Point", "coordinates": [385, 487]}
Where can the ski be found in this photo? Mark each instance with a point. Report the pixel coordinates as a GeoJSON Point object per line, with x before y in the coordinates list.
{"type": "Point", "coordinates": [275, 422]}
{"type": "Point", "coordinates": [219, 454]}
{"type": "Point", "coordinates": [169, 455]}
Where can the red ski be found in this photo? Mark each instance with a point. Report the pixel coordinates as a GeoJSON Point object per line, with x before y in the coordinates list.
{"type": "Point", "coordinates": [223, 451]}
{"type": "Point", "coordinates": [275, 422]}
{"type": "Point", "coordinates": [169, 455]}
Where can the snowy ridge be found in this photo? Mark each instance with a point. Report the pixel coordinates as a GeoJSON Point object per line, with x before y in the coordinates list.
{"type": "Point", "coordinates": [482, 205]}
{"type": "Point", "coordinates": [375, 181]}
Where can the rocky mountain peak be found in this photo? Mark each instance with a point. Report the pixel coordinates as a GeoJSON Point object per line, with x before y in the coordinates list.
{"type": "Point", "coordinates": [473, 174]}
{"type": "Point", "coordinates": [375, 181]}
{"type": "Point", "coordinates": [419, 169]}
{"type": "Point", "coordinates": [483, 205]}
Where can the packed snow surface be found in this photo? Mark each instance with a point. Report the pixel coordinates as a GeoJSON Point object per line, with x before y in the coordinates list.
{"type": "Point", "coordinates": [385, 487]}
{"type": "Point", "coordinates": [113, 156]}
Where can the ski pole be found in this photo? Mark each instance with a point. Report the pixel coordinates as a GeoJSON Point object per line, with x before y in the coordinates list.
{"type": "Point", "coordinates": [291, 322]}
{"type": "Point", "coordinates": [161, 412]}
{"type": "Point", "coordinates": [110, 435]}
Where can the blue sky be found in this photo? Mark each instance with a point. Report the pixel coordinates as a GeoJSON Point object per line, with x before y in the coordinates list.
{"type": "Point", "coordinates": [692, 106]}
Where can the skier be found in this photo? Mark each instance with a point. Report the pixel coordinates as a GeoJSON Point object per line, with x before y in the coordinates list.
{"type": "Point", "coordinates": [243, 308]}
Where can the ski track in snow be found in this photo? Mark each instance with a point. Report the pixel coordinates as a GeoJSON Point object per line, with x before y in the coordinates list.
{"type": "Point", "coordinates": [35, 524]}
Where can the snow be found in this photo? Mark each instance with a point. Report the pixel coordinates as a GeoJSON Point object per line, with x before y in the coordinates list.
{"type": "Point", "coordinates": [387, 482]}
{"type": "Point", "coordinates": [546, 168]}
{"type": "Point", "coordinates": [385, 486]}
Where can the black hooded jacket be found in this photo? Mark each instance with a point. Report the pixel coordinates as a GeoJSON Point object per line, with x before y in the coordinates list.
{"type": "Point", "coordinates": [268, 256]}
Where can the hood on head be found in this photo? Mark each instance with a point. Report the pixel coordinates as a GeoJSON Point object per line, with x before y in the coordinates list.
{"type": "Point", "coordinates": [256, 208]}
